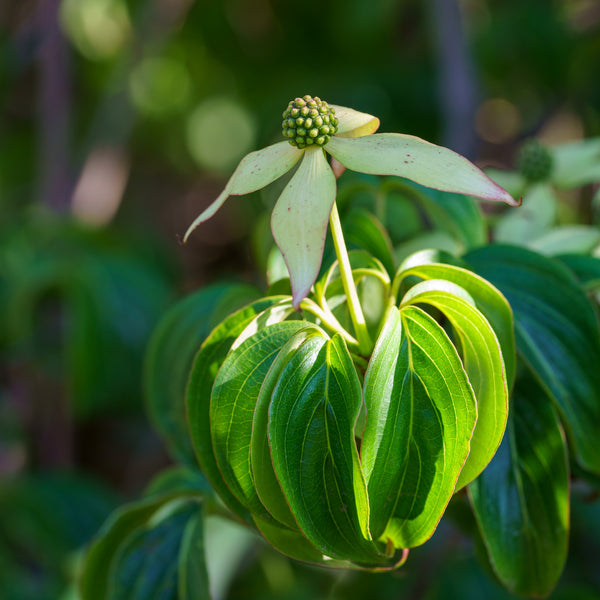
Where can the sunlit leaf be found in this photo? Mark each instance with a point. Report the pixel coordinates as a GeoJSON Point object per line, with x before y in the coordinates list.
{"type": "Point", "coordinates": [202, 376]}
{"type": "Point", "coordinates": [488, 299]}
{"type": "Point", "coordinates": [482, 360]}
{"type": "Point", "coordinates": [421, 412]}
{"type": "Point", "coordinates": [232, 404]}
{"type": "Point", "coordinates": [312, 416]}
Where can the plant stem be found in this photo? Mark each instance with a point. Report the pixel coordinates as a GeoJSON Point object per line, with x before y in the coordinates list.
{"type": "Point", "coordinates": [356, 314]}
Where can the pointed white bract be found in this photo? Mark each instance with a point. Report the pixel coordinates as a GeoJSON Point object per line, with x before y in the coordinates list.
{"type": "Point", "coordinates": [299, 220]}
{"type": "Point", "coordinates": [420, 161]}
{"type": "Point", "coordinates": [255, 171]}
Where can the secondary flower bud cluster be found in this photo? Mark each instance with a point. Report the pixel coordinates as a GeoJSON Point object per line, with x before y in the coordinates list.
{"type": "Point", "coordinates": [309, 121]}
{"type": "Point", "coordinates": [535, 161]}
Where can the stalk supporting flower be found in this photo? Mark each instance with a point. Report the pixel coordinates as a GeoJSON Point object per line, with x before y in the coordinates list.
{"type": "Point", "coordinates": [300, 217]}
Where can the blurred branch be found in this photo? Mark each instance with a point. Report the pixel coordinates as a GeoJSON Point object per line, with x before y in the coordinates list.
{"type": "Point", "coordinates": [54, 104]}
{"type": "Point", "coordinates": [456, 84]}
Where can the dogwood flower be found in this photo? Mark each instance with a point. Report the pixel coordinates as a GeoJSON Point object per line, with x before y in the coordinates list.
{"type": "Point", "coordinates": [315, 129]}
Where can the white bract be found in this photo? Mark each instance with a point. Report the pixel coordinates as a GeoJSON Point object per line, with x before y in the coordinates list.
{"type": "Point", "coordinates": [299, 219]}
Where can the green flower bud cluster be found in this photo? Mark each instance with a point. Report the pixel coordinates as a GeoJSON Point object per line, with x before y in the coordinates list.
{"type": "Point", "coordinates": [534, 161]}
{"type": "Point", "coordinates": [308, 121]}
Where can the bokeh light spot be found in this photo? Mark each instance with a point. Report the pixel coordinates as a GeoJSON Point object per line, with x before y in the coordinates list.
{"type": "Point", "coordinates": [98, 28]}
{"type": "Point", "coordinates": [160, 86]}
{"type": "Point", "coordinates": [219, 132]}
{"type": "Point", "coordinates": [498, 121]}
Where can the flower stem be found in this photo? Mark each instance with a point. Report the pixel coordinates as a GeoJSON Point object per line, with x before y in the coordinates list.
{"type": "Point", "coordinates": [356, 314]}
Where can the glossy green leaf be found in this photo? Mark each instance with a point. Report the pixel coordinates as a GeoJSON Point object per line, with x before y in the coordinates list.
{"type": "Point", "coordinates": [421, 412]}
{"type": "Point", "coordinates": [265, 481]}
{"type": "Point", "coordinates": [482, 360]}
{"type": "Point", "coordinates": [170, 354]}
{"type": "Point", "coordinates": [312, 416]}
{"type": "Point", "coordinates": [300, 218]}
{"type": "Point", "coordinates": [557, 335]}
{"type": "Point", "coordinates": [420, 161]}
{"type": "Point", "coordinates": [290, 542]}
{"type": "Point", "coordinates": [521, 501]}
{"type": "Point", "coordinates": [585, 268]}
{"type": "Point", "coordinates": [232, 405]}
{"type": "Point", "coordinates": [255, 171]}
{"type": "Point", "coordinates": [202, 376]}
{"type": "Point", "coordinates": [488, 299]}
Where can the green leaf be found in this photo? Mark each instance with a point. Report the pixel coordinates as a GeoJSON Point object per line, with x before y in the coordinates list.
{"type": "Point", "coordinates": [170, 354]}
{"type": "Point", "coordinates": [202, 376]}
{"type": "Point", "coordinates": [233, 400]}
{"type": "Point", "coordinates": [521, 501]}
{"type": "Point", "coordinates": [312, 415]}
{"type": "Point", "coordinates": [145, 566]}
{"type": "Point", "coordinates": [424, 163]}
{"type": "Point", "coordinates": [265, 480]}
{"type": "Point", "coordinates": [482, 360]}
{"type": "Point", "coordinates": [192, 573]}
{"type": "Point", "coordinates": [585, 268]}
{"type": "Point", "coordinates": [290, 542]}
{"type": "Point", "coordinates": [488, 299]}
{"type": "Point", "coordinates": [362, 230]}
{"type": "Point", "coordinates": [300, 217]}
{"type": "Point", "coordinates": [557, 335]}
{"type": "Point", "coordinates": [96, 578]}
{"type": "Point", "coordinates": [420, 417]}
{"type": "Point", "coordinates": [255, 171]}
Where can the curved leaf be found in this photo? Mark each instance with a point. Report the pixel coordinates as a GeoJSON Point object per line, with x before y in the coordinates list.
{"type": "Point", "coordinates": [521, 501]}
{"type": "Point", "coordinates": [103, 565]}
{"type": "Point", "coordinates": [482, 360]}
{"type": "Point", "coordinates": [265, 481]}
{"type": "Point", "coordinates": [557, 335]}
{"type": "Point", "coordinates": [420, 417]}
{"type": "Point", "coordinates": [488, 299]}
{"type": "Point", "coordinates": [232, 404]}
{"type": "Point", "coordinates": [312, 416]}
{"type": "Point", "coordinates": [170, 354]}
{"type": "Point", "coordinates": [202, 376]}
{"type": "Point", "coordinates": [146, 564]}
